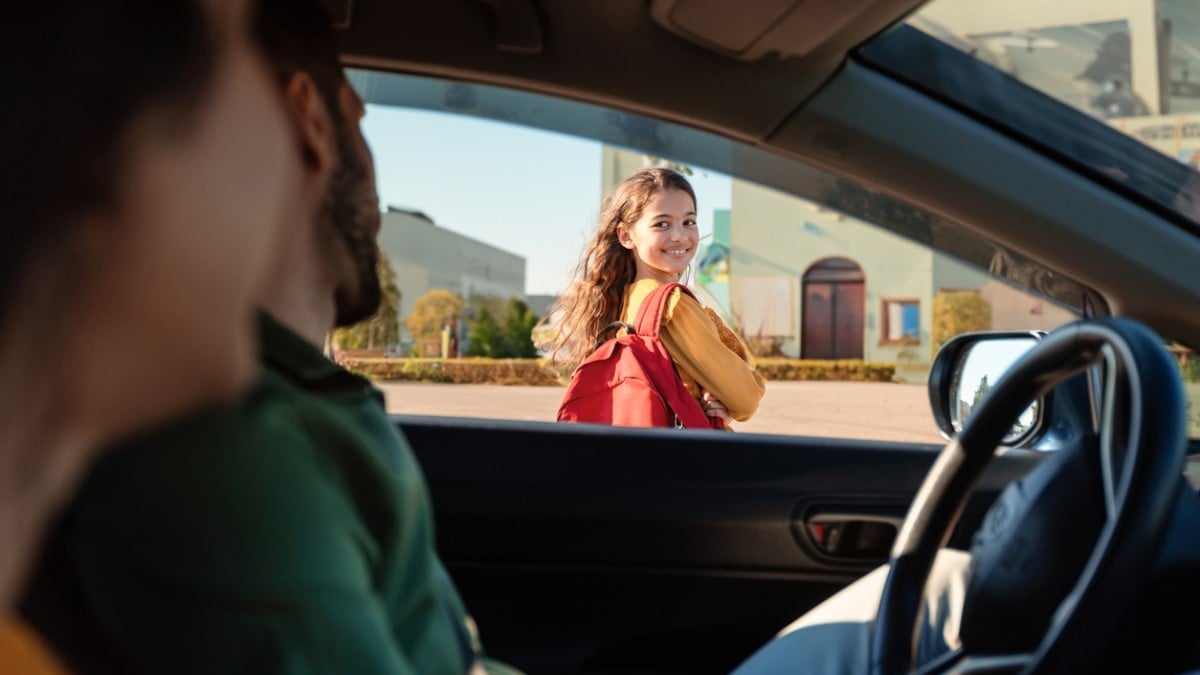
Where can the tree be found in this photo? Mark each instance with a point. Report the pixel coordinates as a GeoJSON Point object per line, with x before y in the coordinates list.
{"type": "Point", "coordinates": [501, 331]}
{"type": "Point", "coordinates": [484, 336]}
{"type": "Point", "coordinates": [519, 322]}
{"type": "Point", "coordinates": [382, 329]}
{"type": "Point", "coordinates": [981, 391]}
{"type": "Point", "coordinates": [431, 313]}
{"type": "Point", "coordinates": [488, 309]}
{"type": "Point", "coordinates": [957, 312]}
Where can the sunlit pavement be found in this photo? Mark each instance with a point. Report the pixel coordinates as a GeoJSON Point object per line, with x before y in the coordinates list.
{"type": "Point", "coordinates": [864, 410]}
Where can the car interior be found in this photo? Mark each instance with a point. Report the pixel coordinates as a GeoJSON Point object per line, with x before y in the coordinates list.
{"type": "Point", "coordinates": [582, 549]}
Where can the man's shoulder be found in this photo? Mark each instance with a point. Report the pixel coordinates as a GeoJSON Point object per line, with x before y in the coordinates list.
{"type": "Point", "coordinates": [269, 436]}
{"type": "Point", "coordinates": [277, 433]}
{"type": "Point", "coordinates": [246, 473]}
{"type": "Point", "coordinates": [271, 409]}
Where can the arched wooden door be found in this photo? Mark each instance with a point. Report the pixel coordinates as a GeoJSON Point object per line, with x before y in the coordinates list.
{"type": "Point", "coordinates": [834, 309]}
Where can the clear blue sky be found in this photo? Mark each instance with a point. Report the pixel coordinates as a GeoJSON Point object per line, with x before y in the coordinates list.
{"type": "Point", "coordinates": [533, 193]}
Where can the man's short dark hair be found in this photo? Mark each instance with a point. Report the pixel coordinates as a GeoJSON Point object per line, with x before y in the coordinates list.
{"type": "Point", "coordinates": [298, 35]}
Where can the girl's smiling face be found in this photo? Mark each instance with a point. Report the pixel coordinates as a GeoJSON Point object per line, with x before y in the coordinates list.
{"type": "Point", "coordinates": [664, 238]}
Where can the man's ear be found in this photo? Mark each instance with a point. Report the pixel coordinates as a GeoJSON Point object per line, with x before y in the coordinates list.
{"type": "Point", "coordinates": [311, 119]}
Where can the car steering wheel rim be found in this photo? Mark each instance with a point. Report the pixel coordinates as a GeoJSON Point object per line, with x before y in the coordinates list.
{"type": "Point", "coordinates": [1149, 432]}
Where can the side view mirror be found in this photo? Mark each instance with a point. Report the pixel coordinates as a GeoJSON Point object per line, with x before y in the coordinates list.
{"type": "Point", "coordinates": [966, 367]}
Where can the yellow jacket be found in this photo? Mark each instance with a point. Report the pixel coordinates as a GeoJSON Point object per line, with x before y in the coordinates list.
{"type": "Point", "coordinates": [708, 355]}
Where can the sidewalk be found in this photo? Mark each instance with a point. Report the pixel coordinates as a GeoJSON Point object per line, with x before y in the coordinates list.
{"type": "Point", "coordinates": [863, 410]}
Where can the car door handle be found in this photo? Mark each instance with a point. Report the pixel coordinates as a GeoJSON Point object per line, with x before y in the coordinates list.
{"type": "Point", "coordinates": [850, 535]}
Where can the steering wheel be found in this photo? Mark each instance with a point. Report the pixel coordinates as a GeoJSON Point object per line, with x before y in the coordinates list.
{"type": "Point", "coordinates": [1141, 450]}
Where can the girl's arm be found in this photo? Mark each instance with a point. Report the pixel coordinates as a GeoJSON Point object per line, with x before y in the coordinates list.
{"type": "Point", "coordinates": [726, 371]}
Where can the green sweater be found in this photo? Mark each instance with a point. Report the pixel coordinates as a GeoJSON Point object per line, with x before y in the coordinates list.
{"type": "Point", "coordinates": [289, 533]}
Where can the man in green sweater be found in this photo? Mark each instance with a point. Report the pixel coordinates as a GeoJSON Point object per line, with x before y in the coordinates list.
{"type": "Point", "coordinates": [290, 532]}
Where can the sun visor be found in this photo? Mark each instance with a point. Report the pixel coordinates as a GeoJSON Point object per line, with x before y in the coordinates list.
{"type": "Point", "coordinates": [750, 30]}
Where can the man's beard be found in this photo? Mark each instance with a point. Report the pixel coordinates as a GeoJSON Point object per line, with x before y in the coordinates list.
{"type": "Point", "coordinates": [351, 214]}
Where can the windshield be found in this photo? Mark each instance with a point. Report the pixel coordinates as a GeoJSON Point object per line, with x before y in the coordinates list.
{"type": "Point", "coordinates": [1132, 66]}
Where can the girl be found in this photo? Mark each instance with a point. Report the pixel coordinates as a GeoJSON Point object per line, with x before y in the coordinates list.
{"type": "Point", "coordinates": [648, 236]}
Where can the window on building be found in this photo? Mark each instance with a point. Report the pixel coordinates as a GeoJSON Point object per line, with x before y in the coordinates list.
{"type": "Point", "coordinates": [901, 320]}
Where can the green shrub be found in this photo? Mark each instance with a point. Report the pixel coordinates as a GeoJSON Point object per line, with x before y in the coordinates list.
{"type": "Point", "coordinates": [454, 371]}
{"type": "Point", "coordinates": [786, 370]}
{"type": "Point", "coordinates": [957, 312]}
{"type": "Point", "coordinates": [539, 372]}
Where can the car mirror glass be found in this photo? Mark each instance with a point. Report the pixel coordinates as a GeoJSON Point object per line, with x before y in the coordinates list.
{"type": "Point", "coordinates": [980, 366]}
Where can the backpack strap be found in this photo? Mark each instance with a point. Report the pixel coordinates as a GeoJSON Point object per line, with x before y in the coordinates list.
{"type": "Point", "coordinates": [650, 314]}
{"type": "Point", "coordinates": [649, 320]}
{"type": "Point", "coordinates": [612, 327]}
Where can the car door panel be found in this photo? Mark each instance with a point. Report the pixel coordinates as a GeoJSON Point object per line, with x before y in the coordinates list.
{"type": "Point", "coordinates": [582, 547]}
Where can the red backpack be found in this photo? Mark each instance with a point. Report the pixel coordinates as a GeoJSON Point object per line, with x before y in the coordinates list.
{"type": "Point", "coordinates": [630, 381]}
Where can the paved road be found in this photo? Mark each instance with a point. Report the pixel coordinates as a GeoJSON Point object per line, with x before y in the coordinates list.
{"type": "Point", "coordinates": [866, 410]}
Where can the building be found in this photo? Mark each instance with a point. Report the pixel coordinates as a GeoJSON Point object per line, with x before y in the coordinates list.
{"type": "Point", "coordinates": [847, 289]}
{"type": "Point", "coordinates": [425, 256]}
{"type": "Point", "coordinates": [844, 289]}
{"type": "Point", "coordinates": [1133, 63]}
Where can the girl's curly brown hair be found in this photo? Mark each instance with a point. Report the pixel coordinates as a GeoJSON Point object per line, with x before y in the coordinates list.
{"type": "Point", "coordinates": [605, 268]}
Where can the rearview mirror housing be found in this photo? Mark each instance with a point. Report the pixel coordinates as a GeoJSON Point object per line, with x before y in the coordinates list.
{"type": "Point", "coordinates": [966, 368]}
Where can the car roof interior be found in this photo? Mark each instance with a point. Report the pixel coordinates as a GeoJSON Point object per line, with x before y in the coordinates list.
{"type": "Point", "coordinates": [779, 80]}
{"type": "Point", "coordinates": [602, 52]}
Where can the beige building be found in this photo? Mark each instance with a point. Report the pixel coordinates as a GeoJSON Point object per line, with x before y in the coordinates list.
{"type": "Point", "coordinates": [1134, 63]}
{"type": "Point", "coordinates": [425, 256]}
{"type": "Point", "coordinates": [824, 285]}
{"type": "Point", "coordinates": [845, 288]}
{"type": "Point", "coordinates": [827, 286]}
{"type": "Point", "coordinates": [1077, 50]}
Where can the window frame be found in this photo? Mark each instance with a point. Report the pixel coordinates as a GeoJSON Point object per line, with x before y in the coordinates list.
{"type": "Point", "coordinates": [885, 322]}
